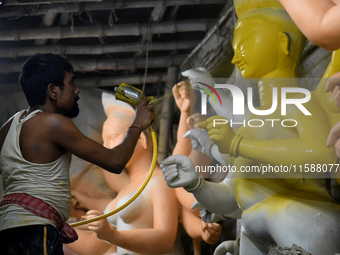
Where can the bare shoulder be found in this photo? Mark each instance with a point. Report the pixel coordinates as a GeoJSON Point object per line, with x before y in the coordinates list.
{"type": "Point", "coordinates": [54, 119]}
{"type": "Point", "coordinates": [50, 127]}
{"type": "Point", "coordinates": [54, 123]}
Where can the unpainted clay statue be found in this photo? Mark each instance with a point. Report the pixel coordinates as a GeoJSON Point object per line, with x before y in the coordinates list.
{"type": "Point", "coordinates": [333, 86]}
{"type": "Point", "coordinates": [197, 229]}
{"type": "Point", "coordinates": [90, 190]}
{"type": "Point", "coordinates": [149, 224]}
{"type": "Point", "coordinates": [287, 208]}
{"type": "Point", "coordinates": [319, 20]}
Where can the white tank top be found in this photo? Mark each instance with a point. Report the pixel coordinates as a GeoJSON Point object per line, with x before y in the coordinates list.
{"type": "Point", "coordinates": [49, 182]}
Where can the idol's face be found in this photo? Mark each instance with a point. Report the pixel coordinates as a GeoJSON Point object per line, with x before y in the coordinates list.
{"type": "Point", "coordinates": [256, 48]}
{"type": "Point", "coordinates": [114, 131]}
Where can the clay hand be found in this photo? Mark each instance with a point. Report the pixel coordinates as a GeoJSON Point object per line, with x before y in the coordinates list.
{"type": "Point", "coordinates": [101, 227]}
{"type": "Point", "coordinates": [179, 171]}
{"type": "Point", "coordinates": [200, 78]}
{"type": "Point", "coordinates": [200, 141]}
{"type": "Point", "coordinates": [226, 247]}
{"type": "Point", "coordinates": [333, 84]}
{"type": "Point", "coordinates": [194, 119]}
{"type": "Point", "coordinates": [333, 138]}
{"type": "Point", "coordinates": [220, 133]}
{"type": "Point", "coordinates": [211, 232]}
{"type": "Point", "coordinates": [144, 114]}
{"type": "Point", "coordinates": [78, 207]}
{"type": "Point", "coordinates": [206, 215]}
{"type": "Point", "coordinates": [181, 92]}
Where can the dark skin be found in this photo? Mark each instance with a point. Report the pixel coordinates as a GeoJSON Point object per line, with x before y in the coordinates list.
{"type": "Point", "coordinates": [48, 135]}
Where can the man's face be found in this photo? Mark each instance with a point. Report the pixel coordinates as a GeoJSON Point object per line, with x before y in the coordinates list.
{"type": "Point", "coordinates": [70, 97]}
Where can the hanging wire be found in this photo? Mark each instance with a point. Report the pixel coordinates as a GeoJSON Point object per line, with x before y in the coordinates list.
{"type": "Point", "coordinates": [112, 13]}
{"type": "Point", "coordinates": [72, 22]}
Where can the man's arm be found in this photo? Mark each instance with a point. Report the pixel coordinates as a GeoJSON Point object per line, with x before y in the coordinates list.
{"type": "Point", "coordinates": [65, 134]}
{"type": "Point", "coordinates": [318, 20]}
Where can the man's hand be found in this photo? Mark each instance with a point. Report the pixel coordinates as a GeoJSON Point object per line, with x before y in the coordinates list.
{"type": "Point", "coordinates": [101, 227]}
{"type": "Point", "coordinates": [333, 138]}
{"type": "Point", "coordinates": [179, 171]}
{"type": "Point", "coordinates": [200, 141]}
{"type": "Point", "coordinates": [220, 133]}
{"type": "Point", "coordinates": [144, 114]}
{"type": "Point", "coordinates": [333, 84]}
{"type": "Point", "coordinates": [181, 92]}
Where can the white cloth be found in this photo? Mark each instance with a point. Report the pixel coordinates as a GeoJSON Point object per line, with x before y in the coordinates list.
{"type": "Point", "coordinates": [49, 182]}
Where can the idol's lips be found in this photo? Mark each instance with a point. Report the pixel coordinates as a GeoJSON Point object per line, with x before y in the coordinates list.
{"type": "Point", "coordinates": [241, 65]}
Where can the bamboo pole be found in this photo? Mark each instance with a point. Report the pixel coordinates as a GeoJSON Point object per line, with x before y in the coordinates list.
{"type": "Point", "coordinates": [94, 49]}
{"type": "Point", "coordinates": [11, 10]}
{"type": "Point", "coordinates": [28, 2]}
{"type": "Point", "coordinates": [91, 65]}
{"type": "Point", "coordinates": [98, 82]}
{"type": "Point", "coordinates": [165, 125]}
{"type": "Point", "coordinates": [115, 81]}
{"type": "Point", "coordinates": [133, 29]}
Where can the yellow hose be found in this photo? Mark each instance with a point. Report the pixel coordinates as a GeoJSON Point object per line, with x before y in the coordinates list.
{"type": "Point", "coordinates": [147, 179]}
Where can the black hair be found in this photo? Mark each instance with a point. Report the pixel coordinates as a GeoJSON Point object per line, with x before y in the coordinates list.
{"type": "Point", "coordinates": [38, 72]}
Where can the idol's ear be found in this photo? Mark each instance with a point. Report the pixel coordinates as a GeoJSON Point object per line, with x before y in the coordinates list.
{"type": "Point", "coordinates": [284, 43]}
{"type": "Point", "coordinates": [143, 141]}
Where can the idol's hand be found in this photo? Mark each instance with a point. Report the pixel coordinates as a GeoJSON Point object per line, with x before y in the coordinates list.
{"type": "Point", "coordinates": [179, 171]}
{"type": "Point", "coordinates": [333, 84]}
{"type": "Point", "coordinates": [211, 232]}
{"type": "Point", "coordinates": [181, 93]}
{"type": "Point", "coordinates": [226, 247]}
{"type": "Point", "coordinates": [194, 119]}
{"type": "Point", "coordinates": [333, 139]}
{"type": "Point", "coordinates": [101, 227]}
{"type": "Point", "coordinates": [220, 133]}
{"type": "Point", "coordinates": [206, 215]}
{"type": "Point", "coordinates": [200, 141]}
{"type": "Point", "coordinates": [200, 78]}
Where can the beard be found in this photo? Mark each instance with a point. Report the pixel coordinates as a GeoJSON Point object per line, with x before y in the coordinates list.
{"type": "Point", "coordinates": [74, 111]}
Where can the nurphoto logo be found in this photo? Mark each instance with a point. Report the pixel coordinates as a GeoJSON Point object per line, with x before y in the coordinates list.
{"type": "Point", "coordinates": [239, 99]}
